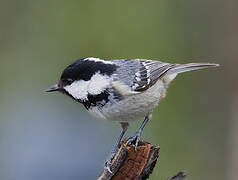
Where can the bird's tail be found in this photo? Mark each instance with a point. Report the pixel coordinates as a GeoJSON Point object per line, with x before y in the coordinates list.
{"type": "Point", "coordinates": [180, 68]}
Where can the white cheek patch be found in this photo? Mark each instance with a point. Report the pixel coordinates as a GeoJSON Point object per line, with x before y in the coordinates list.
{"type": "Point", "coordinates": [98, 83]}
{"type": "Point", "coordinates": [80, 89]}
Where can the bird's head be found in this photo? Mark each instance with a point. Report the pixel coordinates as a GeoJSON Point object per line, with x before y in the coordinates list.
{"type": "Point", "coordinates": [78, 78]}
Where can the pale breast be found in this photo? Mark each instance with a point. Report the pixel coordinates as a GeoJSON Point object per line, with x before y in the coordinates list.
{"type": "Point", "coordinates": [132, 107]}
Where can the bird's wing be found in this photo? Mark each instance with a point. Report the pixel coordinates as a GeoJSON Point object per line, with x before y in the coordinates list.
{"type": "Point", "coordinates": [137, 75]}
{"type": "Point", "coordinates": [148, 74]}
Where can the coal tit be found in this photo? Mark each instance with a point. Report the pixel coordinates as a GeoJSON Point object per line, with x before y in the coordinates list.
{"type": "Point", "coordinates": [120, 90]}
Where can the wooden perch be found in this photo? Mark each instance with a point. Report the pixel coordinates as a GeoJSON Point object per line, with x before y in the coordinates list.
{"type": "Point", "coordinates": [128, 164]}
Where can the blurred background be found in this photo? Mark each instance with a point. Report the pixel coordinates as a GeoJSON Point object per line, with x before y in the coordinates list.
{"type": "Point", "coordinates": [51, 137]}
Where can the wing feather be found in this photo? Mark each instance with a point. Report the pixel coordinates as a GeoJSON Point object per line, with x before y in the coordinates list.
{"type": "Point", "coordinates": [149, 73]}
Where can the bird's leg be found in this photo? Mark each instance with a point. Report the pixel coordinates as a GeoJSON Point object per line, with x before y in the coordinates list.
{"type": "Point", "coordinates": [136, 137]}
{"type": "Point", "coordinates": [124, 126]}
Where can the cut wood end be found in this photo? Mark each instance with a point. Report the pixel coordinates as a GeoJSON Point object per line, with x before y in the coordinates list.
{"type": "Point", "coordinates": [128, 164]}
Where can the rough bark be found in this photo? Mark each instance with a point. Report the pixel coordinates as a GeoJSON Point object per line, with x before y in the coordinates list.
{"type": "Point", "coordinates": [128, 164]}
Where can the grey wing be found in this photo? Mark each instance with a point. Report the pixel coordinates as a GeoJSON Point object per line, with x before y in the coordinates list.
{"type": "Point", "coordinates": [126, 70]}
{"type": "Point", "coordinates": [140, 74]}
{"type": "Point", "coordinates": [148, 74]}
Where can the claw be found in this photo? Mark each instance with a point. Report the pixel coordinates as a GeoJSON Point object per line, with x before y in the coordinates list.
{"type": "Point", "coordinates": [136, 145]}
{"type": "Point", "coordinates": [135, 138]}
{"type": "Point", "coordinates": [107, 167]}
{"type": "Point", "coordinates": [108, 162]}
{"type": "Point", "coordinates": [115, 148]}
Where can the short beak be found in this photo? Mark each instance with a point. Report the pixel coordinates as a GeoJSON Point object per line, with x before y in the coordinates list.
{"type": "Point", "coordinates": [53, 88]}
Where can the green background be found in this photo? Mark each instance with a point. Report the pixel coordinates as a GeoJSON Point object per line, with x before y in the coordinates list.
{"type": "Point", "coordinates": [51, 137]}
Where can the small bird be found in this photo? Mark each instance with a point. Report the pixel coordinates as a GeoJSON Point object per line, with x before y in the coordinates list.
{"type": "Point", "coordinates": [120, 90]}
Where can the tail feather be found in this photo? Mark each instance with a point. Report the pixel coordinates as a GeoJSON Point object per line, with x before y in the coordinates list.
{"type": "Point", "coordinates": [180, 68]}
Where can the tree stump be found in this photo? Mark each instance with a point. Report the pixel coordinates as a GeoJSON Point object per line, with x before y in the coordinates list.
{"type": "Point", "coordinates": [128, 164]}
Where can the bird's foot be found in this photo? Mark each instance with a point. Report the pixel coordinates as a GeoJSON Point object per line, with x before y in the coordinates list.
{"type": "Point", "coordinates": [134, 139]}
{"type": "Point", "coordinates": [108, 162]}
{"type": "Point", "coordinates": [107, 166]}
